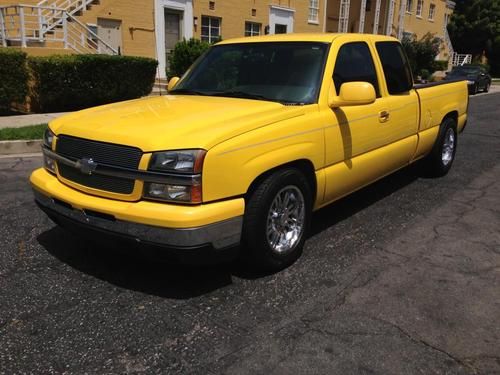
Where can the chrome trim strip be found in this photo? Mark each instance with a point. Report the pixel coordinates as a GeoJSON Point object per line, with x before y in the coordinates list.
{"type": "Point", "coordinates": [133, 174]}
{"type": "Point", "coordinates": [220, 235]}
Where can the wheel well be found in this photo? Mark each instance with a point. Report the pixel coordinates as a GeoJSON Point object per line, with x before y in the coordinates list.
{"type": "Point", "coordinates": [453, 115]}
{"type": "Point", "coordinates": [304, 165]}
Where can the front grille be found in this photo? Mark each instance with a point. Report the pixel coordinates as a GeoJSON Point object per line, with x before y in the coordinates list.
{"type": "Point", "coordinates": [112, 184]}
{"type": "Point", "coordinates": [101, 152]}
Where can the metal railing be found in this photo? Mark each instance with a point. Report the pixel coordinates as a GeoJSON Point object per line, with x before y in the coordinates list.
{"type": "Point", "coordinates": [71, 7]}
{"type": "Point", "coordinates": [25, 25]}
{"type": "Point", "coordinates": [458, 59]}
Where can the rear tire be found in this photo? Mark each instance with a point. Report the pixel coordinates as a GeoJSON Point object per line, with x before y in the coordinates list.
{"type": "Point", "coordinates": [276, 221]}
{"type": "Point", "coordinates": [475, 89]}
{"type": "Point", "coordinates": [487, 87]}
{"type": "Point", "coordinates": [441, 158]}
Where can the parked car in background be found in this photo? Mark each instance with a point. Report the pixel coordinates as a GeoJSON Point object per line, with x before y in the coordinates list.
{"type": "Point", "coordinates": [476, 76]}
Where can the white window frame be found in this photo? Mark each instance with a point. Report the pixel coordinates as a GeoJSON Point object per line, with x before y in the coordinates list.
{"type": "Point", "coordinates": [420, 7]}
{"type": "Point", "coordinates": [409, 6]}
{"type": "Point", "coordinates": [432, 11]}
{"type": "Point", "coordinates": [210, 39]}
{"type": "Point", "coordinates": [313, 8]}
{"type": "Point", "coordinates": [252, 26]}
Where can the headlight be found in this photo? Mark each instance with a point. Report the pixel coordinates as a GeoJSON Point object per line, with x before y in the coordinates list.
{"type": "Point", "coordinates": [48, 138]}
{"type": "Point", "coordinates": [189, 161]}
{"type": "Point", "coordinates": [470, 82]}
{"type": "Point", "coordinates": [181, 162]}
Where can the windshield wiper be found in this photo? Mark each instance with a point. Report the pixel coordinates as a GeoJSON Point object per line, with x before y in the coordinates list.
{"type": "Point", "coordinates": [188, 92]}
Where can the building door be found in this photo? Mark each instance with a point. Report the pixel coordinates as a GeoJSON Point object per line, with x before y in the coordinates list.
{"type": "Point", "coordinates": [110, 31]}
{"type": "Point", "coordinates": [173, 32]}
{"type": "Point", "coordinates": [280, 20]}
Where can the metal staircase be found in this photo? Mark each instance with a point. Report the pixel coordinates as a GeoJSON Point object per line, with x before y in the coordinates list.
{"type": "Point", "coordinates": [51, 24]}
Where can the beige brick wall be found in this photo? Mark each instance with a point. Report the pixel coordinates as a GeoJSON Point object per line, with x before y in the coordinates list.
{"type": "Point", "coordinates": [137, 23]}
{"type": "Point", "coordinates": [234, 13]}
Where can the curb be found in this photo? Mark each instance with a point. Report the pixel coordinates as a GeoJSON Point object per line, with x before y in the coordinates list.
{"type": "Point", "coordinates": [20, 147]}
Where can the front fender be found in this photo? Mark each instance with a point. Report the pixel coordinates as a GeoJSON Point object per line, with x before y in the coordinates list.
{"type": "Point", "coordinates": [231, 167]}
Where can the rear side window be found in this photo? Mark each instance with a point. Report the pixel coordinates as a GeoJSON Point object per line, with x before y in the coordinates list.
{"type": "Point", "coordinates": [354, 63]}
{"type": "Point", "coordinates": [396, 68]}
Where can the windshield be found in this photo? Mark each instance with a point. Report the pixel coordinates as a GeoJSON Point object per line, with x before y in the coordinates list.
{"type": "Point", "coordinates": [285, 72]}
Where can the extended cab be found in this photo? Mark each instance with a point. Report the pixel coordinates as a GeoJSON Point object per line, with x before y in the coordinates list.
{"type": "Point", "coordinates": [257, 134]}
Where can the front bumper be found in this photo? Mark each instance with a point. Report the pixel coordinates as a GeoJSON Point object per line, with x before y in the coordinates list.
{"type": "Point", "coordinates": [217, 225]}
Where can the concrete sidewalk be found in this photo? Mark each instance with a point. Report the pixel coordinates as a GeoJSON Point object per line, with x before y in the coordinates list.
{"type": "Point", "coordinates": [25, 120]}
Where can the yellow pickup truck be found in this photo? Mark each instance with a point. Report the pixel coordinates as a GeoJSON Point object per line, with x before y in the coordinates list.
{"type": "Point", "coordinates": [257, 134]}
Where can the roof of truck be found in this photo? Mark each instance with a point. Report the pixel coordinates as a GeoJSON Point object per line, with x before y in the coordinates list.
{"type": "Point", "coordinates": [309, 37]}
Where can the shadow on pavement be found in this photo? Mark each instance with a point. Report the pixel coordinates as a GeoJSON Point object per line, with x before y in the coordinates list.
{"type": "Point", "coordinates": [126, 266]}
{"type": "Point", "coordinates": [129, 266]}
{"type": "Point", "coordinates": [358, 201]}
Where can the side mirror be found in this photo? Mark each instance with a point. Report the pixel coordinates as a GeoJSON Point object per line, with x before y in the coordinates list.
{"type": "Point", "coordinates": [352, 93]}
{"type": "Point", "coordinates": [172, 82]}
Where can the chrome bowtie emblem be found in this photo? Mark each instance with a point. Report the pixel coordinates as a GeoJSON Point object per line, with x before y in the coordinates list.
{"type": "Point", "coordinates": [87, 166]}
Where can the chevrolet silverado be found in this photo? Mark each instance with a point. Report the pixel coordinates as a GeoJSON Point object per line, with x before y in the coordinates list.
{"type": "Point", "coordinates": [256, 135]}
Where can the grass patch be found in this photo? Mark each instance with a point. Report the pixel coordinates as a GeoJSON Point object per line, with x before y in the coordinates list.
{"type": "Point", "coordinates": [26, 132]}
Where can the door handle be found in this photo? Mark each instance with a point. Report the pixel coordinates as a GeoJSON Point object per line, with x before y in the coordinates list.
{"type": "Point", "coordinates": [383, 116]}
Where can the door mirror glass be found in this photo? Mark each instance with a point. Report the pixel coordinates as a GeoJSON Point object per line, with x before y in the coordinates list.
{"type": "Point", "coordinates": [171, 84]}
{"type": "Point", "coordinates": [352, 93]}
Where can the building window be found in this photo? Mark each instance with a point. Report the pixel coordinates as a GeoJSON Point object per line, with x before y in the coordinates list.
{"type": "Point", "coordinates": [420, 6]}
{"type": "Point", "coordinates": [280, 29]}
{"type": "Point", "coordinates": [252, 28]}
{"type": "Point", "coordinates": [368, 6]}
{"type": "Point", "coordinates": [432, 9]}
{"type": "Point", "coordinates": [210, 29]}
{"type": "Point", "coordinates": [313, 11]}
{"type": "Point", "coordinates": [409, 5]}
{"type": "Point", "coordinates": [254, 12]}
{"type": "Point", "coordinates": [211, 5]}
{"type": "Point", "coordinates": [92, 38]}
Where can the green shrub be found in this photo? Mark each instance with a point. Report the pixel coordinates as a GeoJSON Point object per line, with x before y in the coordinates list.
{"type": "Point", "coordinates": [184, 55]}
{"type": "Point", "coordinates": [13, 78]}
{"type": "Point", "coordinates": [71, 82]}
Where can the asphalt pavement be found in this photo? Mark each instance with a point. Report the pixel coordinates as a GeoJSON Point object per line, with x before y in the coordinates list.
{"type": "Point", "coordinates": [402, 277]}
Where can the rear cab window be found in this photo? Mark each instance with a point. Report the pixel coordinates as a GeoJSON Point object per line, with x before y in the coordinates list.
{"type": "Point", "coordinates": [396, 68]}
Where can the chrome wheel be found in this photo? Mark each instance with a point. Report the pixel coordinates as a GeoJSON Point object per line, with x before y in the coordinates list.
{"type": "Point", "coordinates": [448, 147]}
{"type": "Point", "coordinates": [286, 220]}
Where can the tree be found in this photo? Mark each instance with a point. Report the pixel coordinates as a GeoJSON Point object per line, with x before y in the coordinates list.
{"type": "Point", "coordinates": [475, 28]}
{"type": "Point", "coordinates": [422, 54]}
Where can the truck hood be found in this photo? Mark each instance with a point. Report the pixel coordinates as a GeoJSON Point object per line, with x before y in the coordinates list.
{"type": "Point", "coordinates": [173, 121]}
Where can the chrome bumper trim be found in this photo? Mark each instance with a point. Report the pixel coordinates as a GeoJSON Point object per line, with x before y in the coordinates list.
{"type": "Point", "coordinates": [133, 174]}
{"type": "Point", "coordinates": [220, 235]}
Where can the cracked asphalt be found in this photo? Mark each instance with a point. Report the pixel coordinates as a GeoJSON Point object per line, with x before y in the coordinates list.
{"type": "Point", "coordinates": [402, 277]}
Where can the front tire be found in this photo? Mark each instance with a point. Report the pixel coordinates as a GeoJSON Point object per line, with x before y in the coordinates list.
{"type": "Point", "coordinates": [441, 158]}
{"type": "Point", "coordinates": [487, 87]}
{"type": "Point", "coordinates": [277, 217]}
